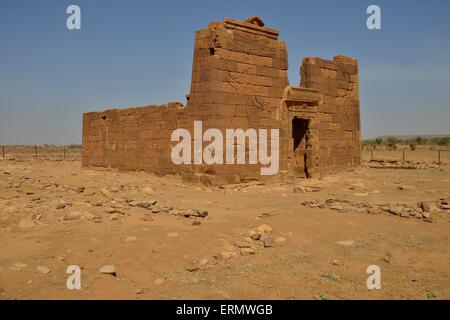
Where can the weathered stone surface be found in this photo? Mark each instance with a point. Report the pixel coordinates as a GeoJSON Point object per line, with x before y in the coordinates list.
{"type": "Point", "coordinates": [239, 80]}
{"type": "Point", "coordinates": [255, 235]}
{"type": "Point", "coordinates": [228, 254]}
{"type": "Point", "coordinates": [192, 267]}
{"type": "Point", "coordinates": [264, 229]}
{"type": "Point", "coordinates": [108, 269]}
{"type": "Point", "coordinates": [43, 269]}
{"type": "Point", "coordinates": [424, 206]}
{"type": "Point", "coordinates": [269, 242]}
{"type": "Point", "coordinates": [172, 234]}
{"type": "Point", "coordinates": [242, 244]}
{"type": "Point", "coordinates": [247, 251]}
{"type": "Point", "coordinates": [396, 210]}
{"type": "Point", "coordinates": [346, 243]}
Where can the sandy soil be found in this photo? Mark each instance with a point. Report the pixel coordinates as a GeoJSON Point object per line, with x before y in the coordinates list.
{"type": "Point", "coordinates": [54, 214]}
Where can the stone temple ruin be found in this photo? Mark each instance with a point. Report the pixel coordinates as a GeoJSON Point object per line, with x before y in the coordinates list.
{"type": "Point", "coordinates": [239, 80]}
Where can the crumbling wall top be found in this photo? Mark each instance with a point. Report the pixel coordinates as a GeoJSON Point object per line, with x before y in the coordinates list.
{"type": "Point", "coordinates": [252, 25]}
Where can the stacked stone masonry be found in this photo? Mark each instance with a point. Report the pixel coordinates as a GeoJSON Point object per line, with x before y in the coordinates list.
{"type": "Point", "coordinates": [239, 80]}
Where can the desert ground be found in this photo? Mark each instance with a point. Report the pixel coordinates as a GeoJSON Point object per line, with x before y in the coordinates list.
{"type": "Point", "coordinates": [164, 238]}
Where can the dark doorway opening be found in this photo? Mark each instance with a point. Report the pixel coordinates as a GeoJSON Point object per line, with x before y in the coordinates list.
{"type": "Point", "coordinates": [300, 137]}
{"type": "Point", "coordinates": [299, 129]}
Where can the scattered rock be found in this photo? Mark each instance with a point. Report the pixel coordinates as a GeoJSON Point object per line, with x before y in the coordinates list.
{"type": "Point", "coordinates": [264, 229]}
{"type": "Point", "coordinates": [145, 205]}
{"type": "Point", "coordinates": [138, 291]}
{"type": "Point", "coordinates": [172, 234]}
{"type": "Point", "coordinates": [158, 281]}
{"type": "Point", "coordinates": [299, 189]}
{"type": "Point", "coordinates": [196, 223]}
{"type": "Point", "coordinates": [108, 269]}
{"type": "Point", "coordinates": [374, 210]}
{"type": "Point", "coordinates": [202, 213]}
{"type": "Point", "coordinates": [361, 194]}
{"type": "Point", "coordinates": [189, 213]}
{"type": "Point", "coordinates": [242, 244]}
{"type": "Point", "coordinates": [426, 215]}
{"type": "Point", "coordinates": [192, 267]}
{"type": "Point", "coordinates": [19, 265]}
{"type": "Point", "coordinates": [114, 211]}
{"type": "Point", "coordinates": [429, 219]}
{"type": "Point", "coordinates": [424, 206]}
{"type": "Point", "coordinates": [131, 239]}
{"type": "Point", "coordinates": [255, 235]}
{"type": "Point", "coordinates": [336, 263]}
{"type": "Point", "coordinates": [415, 214]}
{"type": "Point", "coordinates": [107, 194]}
{"type": "Point", "coordinates": [336, 206]}
{"type": "Point", "coordinates": [74, 215]}
{"type": "Point", "coordinates": [228, 254]}
{"type": "Point", "coordinates": [396, 210]}
{"type": "Point", "coordinates": [406, 188]}
{"type": "Point", "coordinates": [88, 216]}
{"type": "Point", "coordinates": [346, 243]}
{"type": "Point", "coordinates": [303, 189]}
{"type": "Point", "coordinates": [195, 213]}
{"type": "Point", "coordinates": [269, 242]}
{"type": "Point", "coordinates": [43, 269]}
{"type": "Point", "coordinates": [405, 214]}
{"type": "Point", "coordinates": [147, 218]}
{"type": "Point", "coordinates": [247, 251]}
{"type": "Point", "coordinates": [89, 191]}
{"type": "Point", "coordinates": [61, 206]}
{"type": "Point", "coordinates": [266, 215]}
{"type": "Point", "coordinates": [113, 217]}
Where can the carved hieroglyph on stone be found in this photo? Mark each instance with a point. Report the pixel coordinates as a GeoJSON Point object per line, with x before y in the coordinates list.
{"type": "Point", "coordinates": [239, 80]}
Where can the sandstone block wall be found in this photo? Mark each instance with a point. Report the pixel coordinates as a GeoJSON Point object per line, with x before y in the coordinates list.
{"type": "Point", "coordinates": [239, 80]}
{"type": "Point", "coordinates": [338, 116]}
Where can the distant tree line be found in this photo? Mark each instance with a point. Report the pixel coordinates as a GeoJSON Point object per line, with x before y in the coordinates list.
{"type": "Point", "coordinates": [393, 142]}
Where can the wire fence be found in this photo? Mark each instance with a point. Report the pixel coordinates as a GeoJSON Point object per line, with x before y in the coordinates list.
{"type": "Point", "coordinates": [42, 152]}
{"type": "Point", "coordinates": [419, 156]}
{"type": "Point", "coordinates": [45, 152]}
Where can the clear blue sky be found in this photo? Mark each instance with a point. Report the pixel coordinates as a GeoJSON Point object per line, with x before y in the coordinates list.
{"type": "Point", "coordinates": [139, 52]}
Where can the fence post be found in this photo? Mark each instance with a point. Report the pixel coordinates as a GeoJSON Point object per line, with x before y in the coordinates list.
{"type": "Point", "coordinates": [403, 155]}
{"type": "Point", "coordinates": [439, 156]}
{"type": "Point", "coordinates": [371, 154]}
{"type": "Point", "coordinates": [64, 153]}
{"type": "Point", "coordinates": [35, 150]}
{"type": "Point", "coordinates": [3, 151]}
